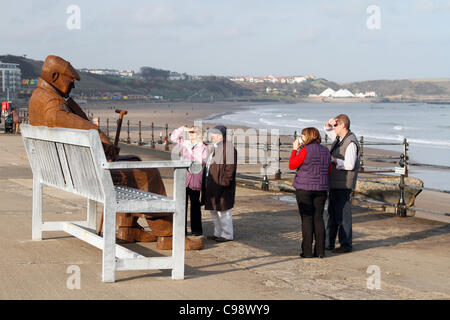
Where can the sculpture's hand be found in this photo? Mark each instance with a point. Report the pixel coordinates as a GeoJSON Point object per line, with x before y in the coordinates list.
{"type": "Point", "coordinates": [111, 152]}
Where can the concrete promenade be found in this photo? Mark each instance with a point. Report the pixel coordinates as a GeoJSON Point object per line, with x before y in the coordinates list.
{"type": "Point", "coordinates": [412, 254]}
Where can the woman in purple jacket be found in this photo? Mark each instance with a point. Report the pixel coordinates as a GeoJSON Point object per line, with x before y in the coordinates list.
{"type": "Point", "coordinates": [313, 164]}
{"type": "Point", "coordinates": [192, 149]}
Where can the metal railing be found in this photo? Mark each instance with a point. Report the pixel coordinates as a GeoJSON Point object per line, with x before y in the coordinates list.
{"type": "Point", "coordinates": [145, 135]}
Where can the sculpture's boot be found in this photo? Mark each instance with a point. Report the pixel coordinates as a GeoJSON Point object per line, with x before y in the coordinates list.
{"type": "Point", "coordinates": [165, 243]}
{"type": "Point", "coordinates": [161, 226]}
{"type": "Point", "coordinates": [144, 236]}
{"type": "Point", "coordinates": [130, 231]}
{"type": "Point", "coordinates": [125, 227]}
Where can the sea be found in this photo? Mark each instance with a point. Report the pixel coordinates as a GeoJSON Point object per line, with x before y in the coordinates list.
{"type": "Point", "coordinates": [425, 126]}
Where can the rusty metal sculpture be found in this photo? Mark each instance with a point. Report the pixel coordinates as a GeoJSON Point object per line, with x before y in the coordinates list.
{"type": "Point", "coordinates": [51, 106]}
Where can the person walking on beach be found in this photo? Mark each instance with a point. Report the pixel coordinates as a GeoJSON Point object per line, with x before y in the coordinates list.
{"type": "Point", "coordinates": [312, 162]}
{"type": "Point", "coordinates": [192, 149]}
{"type": "Point", "coordinates": [219, 184]}
{"type": "Point", "coordinates": [345, 157]}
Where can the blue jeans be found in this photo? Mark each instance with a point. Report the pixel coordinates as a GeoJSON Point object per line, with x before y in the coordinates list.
{"type": "Point", "coordinates": [339, 219]}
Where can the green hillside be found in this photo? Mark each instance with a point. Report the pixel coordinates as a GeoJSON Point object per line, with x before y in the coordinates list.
{"type": "Point", "coordinates": [154, 82]}
{"type": "Point", "coordinates": [206, 89]}
{"type": "Point", "coordinates": [407, 88]}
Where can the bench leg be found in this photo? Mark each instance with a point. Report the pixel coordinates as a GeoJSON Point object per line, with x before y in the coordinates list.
{"type": "Point", "coordinates": [92, 214]}
{"type": "Point", "coordinates": [109, 245]}
{"type": "Point", "coordinates": [178, 242]}
{"type": "Point", "coordinates": [37, 211]}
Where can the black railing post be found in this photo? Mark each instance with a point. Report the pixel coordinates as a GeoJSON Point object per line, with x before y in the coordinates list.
{"type": "Point", "coordinates": [278, 173]}
{"type": "Point", "coordinates": [141, 141]}
{"type": "Point", "coordinates": [265, 179]}
{"type": "Point", "coordinates": [401, 206]}
{"type": "Point", "coordinates": [153, 135]}
{"type": "Point", "coordinates": [128, 132]}
{"type": "Point", "coordinates": [361, 142]}
{"type": "Point", "coordinates": [166, 142]}
{"type": "Point", "coordinates": [405, 152]}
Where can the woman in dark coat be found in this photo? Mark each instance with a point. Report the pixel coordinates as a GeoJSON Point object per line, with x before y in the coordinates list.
{"type": "Point", "coordinates": [219, 185]}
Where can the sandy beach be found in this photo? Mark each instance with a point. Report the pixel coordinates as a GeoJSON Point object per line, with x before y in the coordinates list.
{"type": "Point", "coordinates": [175, 114]}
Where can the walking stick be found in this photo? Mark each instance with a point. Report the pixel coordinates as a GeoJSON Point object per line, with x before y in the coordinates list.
{"type": "Point", "coordinates": [121, 113]}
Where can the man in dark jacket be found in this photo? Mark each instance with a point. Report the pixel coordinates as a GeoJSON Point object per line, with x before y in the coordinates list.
{"type": "Point", "coordinates": [345, 157]}
{"type": "Point", "coordinates": [219, 184]}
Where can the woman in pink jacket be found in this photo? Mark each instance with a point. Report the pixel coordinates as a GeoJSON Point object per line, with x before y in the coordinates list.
{"type": "Point", "coordinates": [192, 148]}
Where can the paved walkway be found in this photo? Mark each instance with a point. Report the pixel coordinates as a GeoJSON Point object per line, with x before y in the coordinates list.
{"type": "Point", "coordinates": [413, 255]}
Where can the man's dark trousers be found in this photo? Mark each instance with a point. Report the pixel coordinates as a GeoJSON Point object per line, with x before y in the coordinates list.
{"type": "Point", "coordinates": [339, 219]}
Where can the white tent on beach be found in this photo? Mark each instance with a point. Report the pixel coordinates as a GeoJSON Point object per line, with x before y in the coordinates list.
{"type": "Point", "coordinates": [328, 93]}
{"type": "Point", "coordinates": [343, 93]}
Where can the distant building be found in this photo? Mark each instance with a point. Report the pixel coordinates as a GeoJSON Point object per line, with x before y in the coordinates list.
{"type": "Point", "coordinates": [111, 72]}
{"type": "Point", "coordinates": [327, 93]}
{"type": "Point", "coordinates": [299, 79]}
{"type": "Point", "coordinates": [173, 76]}
{"type": "Point", "coordinates": [343, 93]}
{"type": "Point", "coordinates": [367, 94]}
{"type": "Point", "coordinates": [10, 79]}
{"type": "Point", "coordinates": [271, 79]}
{"type": "Point", "coordinates": [127, 73]}
{"type": "Point", "coordinates": [370, 94]}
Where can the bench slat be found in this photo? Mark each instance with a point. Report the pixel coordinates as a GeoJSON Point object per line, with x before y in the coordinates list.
{"type": "Point", "coordinates": [146, 164]}
{"type": "Point", "coordinates": [84, 175]}
{"type": "Point", "coordinates": [64, 165]}
{"type": "Point", "coordinates": [145, 263]}
{"type": "Point", "coordinates": [61, 135]}
{"type": "Point", "coordinates": [48, 163]}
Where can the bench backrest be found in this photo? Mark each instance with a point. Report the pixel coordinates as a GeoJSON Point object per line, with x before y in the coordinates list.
{"type": "Point", "coordinates": [68, 159]}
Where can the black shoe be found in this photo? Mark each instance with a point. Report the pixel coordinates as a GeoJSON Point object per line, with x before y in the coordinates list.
{"type": "Point", "coordinates": [214, 238]}
{"type": "Point", "coordinates": [220, 239]}
{"type": "Point", "coordinates": [342, 250]}
{"type": "Point", "coordinates": [197, 234]}
{"type": "Point", "coordinates": [329, 249]}
{"type": "Point", "coordinates": [319, 255]}
{"type": "Point", "coordinates": [304, 257]}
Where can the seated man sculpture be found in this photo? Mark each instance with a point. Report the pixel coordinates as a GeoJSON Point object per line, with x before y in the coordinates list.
{"type": "Point", "coordinates": [48, 107]}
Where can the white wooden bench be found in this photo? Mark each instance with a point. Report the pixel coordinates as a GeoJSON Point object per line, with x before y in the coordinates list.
{"type": "Point", "coordinates": [73, 160]}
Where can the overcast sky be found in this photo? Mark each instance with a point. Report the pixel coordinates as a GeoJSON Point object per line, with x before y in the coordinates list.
{"type": "Point", "coordinates": [327, 39]}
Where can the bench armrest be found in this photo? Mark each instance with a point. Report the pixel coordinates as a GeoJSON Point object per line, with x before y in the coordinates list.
{"type": "Point", "coordinates": [146, 164]}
